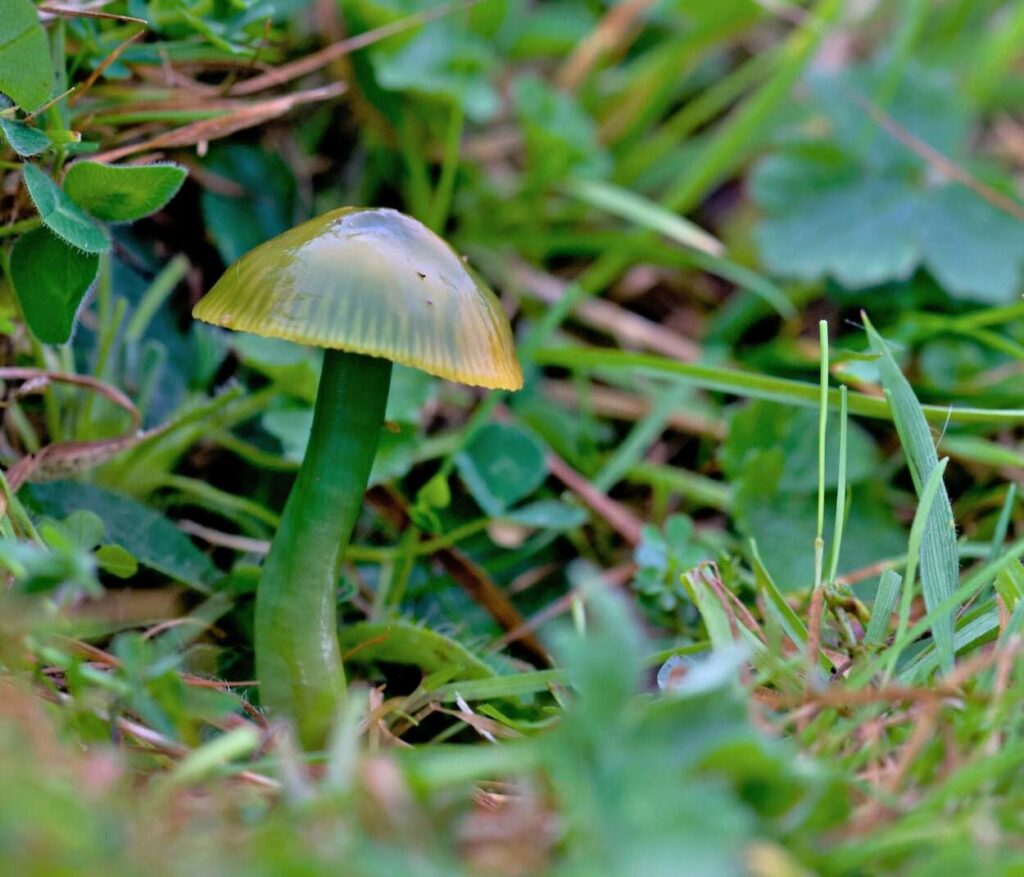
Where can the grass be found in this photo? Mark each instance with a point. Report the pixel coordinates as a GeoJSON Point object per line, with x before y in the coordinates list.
{"type": "Point", "coordinates": [733, 586]}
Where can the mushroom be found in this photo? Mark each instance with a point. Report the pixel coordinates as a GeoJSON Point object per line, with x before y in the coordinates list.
{"type": "Point", "coordinates": [371, 287]}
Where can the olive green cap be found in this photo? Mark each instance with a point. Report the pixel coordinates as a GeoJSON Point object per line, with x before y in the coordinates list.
{"type": "Point", "coordinates": [370, 281]}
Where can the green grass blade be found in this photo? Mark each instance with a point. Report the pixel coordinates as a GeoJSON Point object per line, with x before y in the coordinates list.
{"type": "Point", "coordinates": [692, 486]}
{"type": "Point", "coordinates": [940, 567]}
{"type": "Point", "coordinates": [501, 686]}
{"type": "Point", "coordinates": [757, 386]}
{"type": "Point", "coordinates": [915, 555]}
{"type": "Point", "coordinates": [1003, 523]}
{"type": "Point", "coordinates": [746, 279]}
{"type": "Point", "coordinates": [972, 633]}
{"type": "Point", "coordinates": [633, 447]}
{"type": "Point", "coordinates": [837, 531]}
{"type": "Point", "coordinates": [779, 608]}
{"type": "Point", "coordinates": [819, 537]}
{"type": "Point", "coordinates": [644, 213]}
{"type": "Point", "coordinates": [971, 586]}
{"type": "Point", "coordinates": [881, 612]}
{"type": "Point", "coordinates": [734, 140]}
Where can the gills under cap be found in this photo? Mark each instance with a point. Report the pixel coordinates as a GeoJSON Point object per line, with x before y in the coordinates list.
{"type": "Point", "coordinates": [370, 281]}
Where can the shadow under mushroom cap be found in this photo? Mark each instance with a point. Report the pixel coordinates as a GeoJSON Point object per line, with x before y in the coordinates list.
{"type": "Point", "coordinates": [370, 281]}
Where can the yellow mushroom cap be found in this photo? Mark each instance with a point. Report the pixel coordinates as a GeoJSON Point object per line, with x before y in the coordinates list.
{"type": "Point", "coordinates": [370, 281]}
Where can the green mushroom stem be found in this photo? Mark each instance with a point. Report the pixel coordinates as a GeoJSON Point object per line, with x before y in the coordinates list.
{"type": "Point", "coordinates": [384, 288]}
{"type": "Point", "coordinates": [298, 661]}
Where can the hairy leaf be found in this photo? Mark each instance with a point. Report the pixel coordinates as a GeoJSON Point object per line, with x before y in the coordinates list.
{"type": "Point", "coordinates": [122, 194]}
{"type": "Point", "coordinates": [62, 215]}
{"type": "Point", "coordinates": [50, 279]}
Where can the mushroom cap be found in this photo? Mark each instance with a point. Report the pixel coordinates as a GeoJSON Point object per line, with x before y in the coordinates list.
{"type": "Point", "coordinates": [370, 281]}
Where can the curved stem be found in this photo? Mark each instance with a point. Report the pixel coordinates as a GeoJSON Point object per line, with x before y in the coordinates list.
{"type": "Point", "coordinates": [298, 661]}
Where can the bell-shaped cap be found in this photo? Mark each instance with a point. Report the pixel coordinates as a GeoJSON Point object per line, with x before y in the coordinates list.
{"type": "Point", "coordinates": [370, 281]}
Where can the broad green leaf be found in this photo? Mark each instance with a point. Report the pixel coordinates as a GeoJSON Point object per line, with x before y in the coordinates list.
{"type": "Point", "coordinates": [940, 565]}
{"type": "Point", "coordinates": [24, 139]}
{"type": "Point", "coordinates": [443, 61]}
{"type": "Point", "coordinates": [861, 231]}
{"type": "Point", "coordinates": [501, 464]}
{"type": "Point", "coordinates": [125, 193]}
{"type": "Point", "coordinates": [62, 215]}
{"type": "Point", "coordinates": [924, 102]}
{"type": "Point", "coordinates": [25, 73]}
{"type": "Point", "coordinates": [760, 425]}
{"type": "Point", "coordinates": [144, 533]}
{"type": "Point", "coordinates": [972, 248]}
{"type": "Point", "coordinates": [864, 208]}
{"type": "Point", "coordinates": [867, 230]}
{"type": "Point", "coordinates": [50, 279]}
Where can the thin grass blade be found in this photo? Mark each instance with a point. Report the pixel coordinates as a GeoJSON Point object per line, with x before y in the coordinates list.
{"type": "Point", "coordinates": [940, 566]}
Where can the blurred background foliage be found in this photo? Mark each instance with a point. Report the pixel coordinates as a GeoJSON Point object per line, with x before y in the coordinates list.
{"type": "Point", "coordinates": [668, 195]}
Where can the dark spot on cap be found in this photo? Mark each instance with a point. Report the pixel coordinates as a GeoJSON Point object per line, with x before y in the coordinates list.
{"type": "Point", "coordinates": [421, 275]}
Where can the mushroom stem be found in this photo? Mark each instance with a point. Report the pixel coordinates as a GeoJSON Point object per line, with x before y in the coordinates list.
{"type": "Point", "coordinates": [298, 661]}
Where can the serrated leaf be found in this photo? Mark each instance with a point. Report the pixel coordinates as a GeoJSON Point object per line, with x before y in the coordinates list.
{"type": "Point", "coordinates": [24, 139]}
{"type": "Point", "coordinates": [864, 230]}
{"type": "Point", "coordinates": [125, 193]}
{"type": "Point", "coordinates": [501, 464]}
{"type": "Point", "coordinates": [923, 101]}
{"type": "Point", "coordinates": [25, 73]}
{"type": "Point", "coordinates": [974, 249]}
{"type": "Point", "coordinates": [864, 208]}
{"type": "Point", "coordinates": [859, 230]}
{"type": "Point", "coordinates": [62, 215]}
{"type": "Point", "coordinates": [50, 279]}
